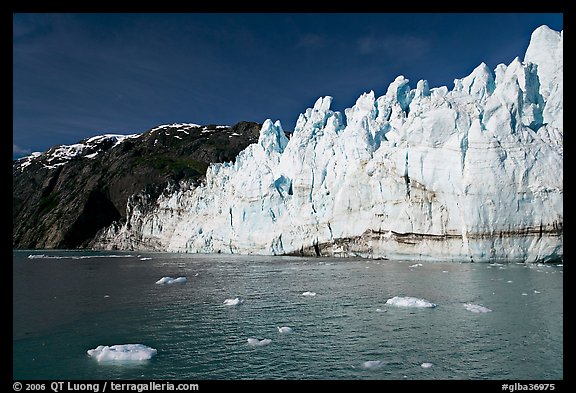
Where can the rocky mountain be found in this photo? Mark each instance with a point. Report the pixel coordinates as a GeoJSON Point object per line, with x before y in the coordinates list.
{"type": "Point", "coordinates": [64, 196]}
{"type": "Point", "coordinates": [474, 173]}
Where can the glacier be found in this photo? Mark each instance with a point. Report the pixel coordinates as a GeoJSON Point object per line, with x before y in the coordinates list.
{"type": "Point", "coordinates": [469, 174]}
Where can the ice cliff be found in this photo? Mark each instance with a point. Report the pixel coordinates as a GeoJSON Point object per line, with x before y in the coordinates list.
{"type": "Point", "coordinates": [475, 173]}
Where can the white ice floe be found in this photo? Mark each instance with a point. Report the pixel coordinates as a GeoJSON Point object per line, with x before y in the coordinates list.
{"type": "Point", "coordinates": [407, 301]}
{"type": "Point", "coordinates": [380, 310]}
{"type": "Point", "coordinates": [535, 291]}
{"type": "Point", "coordinates": [476, 308]}
{"type": "Point", "coordinates": [308, 293]}
{"type": "Point", "coordinates": [258, 343]}
{"type": "Point", "coordinates": [371, 364]}
{"type": "Point", "coordinates": [145, 259]}
{"type": "Point", "coordinates": [426, 365]}
{"type": "Point", "coordinates": [284, 329]}
{"type": "Point", "coordinates": [123, 352]}
{"type": "Point", "coordinates": [170, 280]}
{"type": "Point", "coordinates": [233, 302]}
{"type": "Point", "coordinates": [416, 265]}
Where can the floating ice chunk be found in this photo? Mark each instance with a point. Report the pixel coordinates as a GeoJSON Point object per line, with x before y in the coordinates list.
{"type": "Point", "coordinates": [145, 259]}
{"type": "Point", "coordinates": [371, 364]}
{"type": "Point", "coordinates": [124, 352]}
{"type": "Point", "coordinates": [535, 291]}
{"type": "Point", "coordinates": [476, 308]}
{"type": "Point", "coordinates": [258, 343]}
{"type": "Point", "coordinates": [284, 329]}
{"type": "Point", "coordinates": [509, 281]}
{"type": "Point", "coordinates": [416, 265]}
{"type": "Point", "coordinates": [426, 365]}
{"type": "Point", "coordinates": [106, 295]}
{"type": "Point", "coordinates": [524, 294]}
{"type": "Point", "coordinates": [407, 301]}
{"type": "Point", "coordinates": [233, 302]}
{"type": "Point", "coordinates": [170, 280]}
{"type": "Point", "coordinates": [380, 310]}
{"type": "Point", "coordinates": [308, 293]}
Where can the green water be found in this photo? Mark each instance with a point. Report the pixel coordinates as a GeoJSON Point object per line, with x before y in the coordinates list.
{"type": "Point", "coordinates": [69, 302]}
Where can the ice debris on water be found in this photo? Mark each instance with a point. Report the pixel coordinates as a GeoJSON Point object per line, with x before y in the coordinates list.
{"type": "Point", "coordinates": [123, 352]}
{"type": "Point", "coordinates": [233, 302]}
{"type": "Point", "coordinates": [284, 329]}
{"type": "Point", "coordinates": [170, 280]}
{"type": "Point", "coordinates": [426, 365]}
{"type": "Point", "coordinates": [408, 301]}
{"type": "Point", "coordinates": [258, 343]}
{"type": "Point", "coordinates": [476, 308]}
{"type": "Point", "coordinates": [372, 364]}
{"type": "Point", "coordinates": [308, 293]}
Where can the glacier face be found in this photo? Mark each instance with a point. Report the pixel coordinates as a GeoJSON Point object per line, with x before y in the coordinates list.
{"type": "Point", "coordinates": [475, 173]}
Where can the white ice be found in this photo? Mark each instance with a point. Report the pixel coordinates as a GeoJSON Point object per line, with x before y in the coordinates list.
{"type": "Point", "coordinates": [415, 171]}
{"type": "Point", "coordinates": [284, 329]}
{"type": "Point", "coordinates": [426, 365]}
{"type": "Point", "coordinates": [476, 308]}
{"type": "Point", "coordinates": [123, 352]}
{"type": "Point", "coordinates": [233, 302]}
{"type": "Point", "coordinates": [170, 280]}
{"type": "Point", "coordinates": [371, 364]}
{"type": "Point", "coordinates": [308, 293]}
{"type": "Point", "coordinates": [408, 301]}
{"type": "Point", "coordinates": [258, 343]}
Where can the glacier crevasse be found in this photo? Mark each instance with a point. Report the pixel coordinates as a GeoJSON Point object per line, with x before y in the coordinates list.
{"type": "Point", "coordinates": [471, 174]}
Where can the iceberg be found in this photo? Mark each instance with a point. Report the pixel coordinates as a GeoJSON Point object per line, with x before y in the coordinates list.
{"type": "Point", "coordinates": [308, 293]}
{"type": "Point", "coordinates": [284, 329]}
{"type": "Point", "coordinates": [474, 173]}
{"type": "Point", "coordinates": [476, 308]}
{"type": "Point", "coordinates": [408, 301]}
{"type": "Point", "coordinates": [233, 302]}
{"type": "Point", "coordinates": [170, 280]}
{"type": "Point", "coordinates": [372, 364]}
{"type": "Point", "coordinates": [426, 365]}
{"type": "Point", "coordinates": [123, 352]}
{"type": "Point", "coordinates": [258, 343]}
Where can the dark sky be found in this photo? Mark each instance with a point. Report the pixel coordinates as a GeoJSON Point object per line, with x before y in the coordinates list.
{"type": "Point", "coordinates": [79, 75]}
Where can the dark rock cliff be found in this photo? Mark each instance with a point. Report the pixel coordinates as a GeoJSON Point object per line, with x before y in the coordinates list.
{"type": "Point", "coordinates": [62, 197]}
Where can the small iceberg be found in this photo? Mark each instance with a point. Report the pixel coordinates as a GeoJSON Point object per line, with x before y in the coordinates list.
{"type": "Point", "coordinates": [407, 301]}
{"type": "Point", "coordinates": [170, 280]}
{"type": "Point", "coordinates": [416, 265]}
{"type": "Point", "coordinates": [478, 309]}
{"type": "Point", "coordinates": [233, 302]}
{"type": "Point", "coordinates": [284, 329]}
{"type": "Point", "coordinates": [145, 258]}
{"type": "Point", "coordinates": [426, 365]}
{"type": "Point", "coordinates": [123, 352]}
{"type": "Point", "coordinates": [258, 343]}
{"type": "Point", "coordinates": [380, 310]}
{"type": "Point", "coordinates": [308, 293]}
{"type": "Point", "coordinates": [372, 364]}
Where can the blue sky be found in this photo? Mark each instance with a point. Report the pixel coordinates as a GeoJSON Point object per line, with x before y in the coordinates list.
{"type": "Point", "coordinates": [79, 75]}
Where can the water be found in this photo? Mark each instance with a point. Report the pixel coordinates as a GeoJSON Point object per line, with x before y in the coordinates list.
{"type": "Point", "coordinates": [74, 301]}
